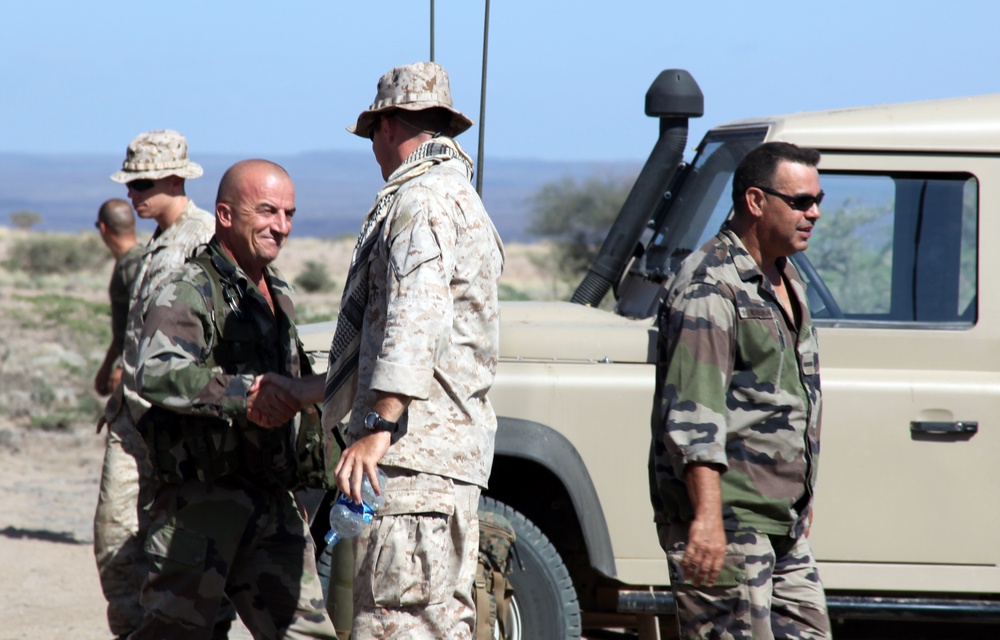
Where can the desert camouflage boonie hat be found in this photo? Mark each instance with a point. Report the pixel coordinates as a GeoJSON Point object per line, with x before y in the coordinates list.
{"type": "Point", "coordinates": [417, 86]}
{"type": "Point", "coordinates": [157, 154]}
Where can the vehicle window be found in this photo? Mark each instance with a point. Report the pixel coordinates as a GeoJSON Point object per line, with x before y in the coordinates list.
{"type": "Point", "coordinates": [898, 248]}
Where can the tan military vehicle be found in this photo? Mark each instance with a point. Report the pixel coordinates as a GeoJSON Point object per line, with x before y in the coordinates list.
{"type": "Point", "coordinates": [908, 505]}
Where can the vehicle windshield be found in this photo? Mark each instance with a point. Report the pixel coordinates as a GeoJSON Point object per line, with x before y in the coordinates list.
{"type": "Point", "coordinates": [701, 201]}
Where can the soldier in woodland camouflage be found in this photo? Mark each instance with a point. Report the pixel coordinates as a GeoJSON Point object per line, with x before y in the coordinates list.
{"type": "Point", "coordinates": [116, 224]}
{"type": "Point", "coordinates": [412, 360]}
{"type": "Point", "coordinates": [155, 168]}
{"type": "Point", "coordinates": [219, 362]}
{"type": "Point", "coordinates": [735, 427]}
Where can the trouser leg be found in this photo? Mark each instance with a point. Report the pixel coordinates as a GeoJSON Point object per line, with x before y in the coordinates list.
{"type": "Point", "coordinates": [254, 546]}
{"type": "Point", "coordinates": [273, 582]}
{"type": "Point", "coordinates": [769, 588]}
{"type": "Point", "coordinates": [194, 537]}
{"type": "Point", "coordinates": [798, 603]}
{"type": "Point", "coordinates": [121, 523]}
{"type": "Point", "coordinates": [722, 611]}
{"type": "Point", "coordinates": [416, 563]}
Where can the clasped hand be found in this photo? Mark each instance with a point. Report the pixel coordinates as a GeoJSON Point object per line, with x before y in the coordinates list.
{"type": "Point", "coordinates": [272, 400]}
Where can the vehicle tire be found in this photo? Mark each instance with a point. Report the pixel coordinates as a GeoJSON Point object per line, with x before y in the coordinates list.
{"type": "Point", "coordinates": [544, 605]}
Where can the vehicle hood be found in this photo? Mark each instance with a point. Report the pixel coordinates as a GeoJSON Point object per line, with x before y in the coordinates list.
{"type": "Point", "coordinates": [545, 331]}
{"type": "Point", "coordinates": [567, 331]}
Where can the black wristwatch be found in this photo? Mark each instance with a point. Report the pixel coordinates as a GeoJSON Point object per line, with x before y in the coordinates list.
{"type": "Point", "coordinates": [375, 422]}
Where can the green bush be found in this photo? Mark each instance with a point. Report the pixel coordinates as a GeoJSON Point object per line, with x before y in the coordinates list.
{"type": "Point", "coordinates": [56, 253]}
{"type": "Point", "coordinates": [25, 219]}
{"type": "Point", "coordinates": [507, 292]}
{"type": "Point", "coordinates": [314, 278]}
{"type": "Point", "coordinates": [576, 217]}
{"type": "Point", "coordinates": [84, 324]}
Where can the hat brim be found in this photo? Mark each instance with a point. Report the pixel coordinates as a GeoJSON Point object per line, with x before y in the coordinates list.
{"type": "Point", "coordinates": [459, 121]}
{"type": "Point", "coordinates": [190, 170]}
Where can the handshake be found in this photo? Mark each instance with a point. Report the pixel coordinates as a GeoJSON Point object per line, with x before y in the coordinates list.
{"type": "Point", "coordinates": [274, 399]}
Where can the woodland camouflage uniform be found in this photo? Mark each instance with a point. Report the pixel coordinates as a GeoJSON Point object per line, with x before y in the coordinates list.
{"type": "Point", "coordinates": [737, 386]}
{"type": "Point", "coordinates": [224, 519]}
{"type": "Point", "coordinates": [123, 277]}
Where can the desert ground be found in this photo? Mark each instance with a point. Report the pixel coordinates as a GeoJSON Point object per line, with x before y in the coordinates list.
{"type": "Point", "coordinates": [50, 455]}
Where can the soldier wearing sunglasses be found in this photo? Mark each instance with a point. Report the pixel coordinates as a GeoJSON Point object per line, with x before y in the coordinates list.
{"type": "Point", "coordinates": [154, 171]}
{"type": "Point", "coordinates": [737, 411]}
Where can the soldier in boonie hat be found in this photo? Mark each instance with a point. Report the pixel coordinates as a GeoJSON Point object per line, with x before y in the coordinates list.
{"type": "Point", "coordinates": [154, 172]}
{"type": "Point", "coordinates": [413, 87]}
{"type": "Point", "coordinates": [410, 409]}
{"type": "Point", "coordinates": [157, 154]}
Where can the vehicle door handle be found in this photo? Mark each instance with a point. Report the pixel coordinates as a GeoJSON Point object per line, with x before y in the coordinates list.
{"type": "Point", "coordinates": [943, 427]}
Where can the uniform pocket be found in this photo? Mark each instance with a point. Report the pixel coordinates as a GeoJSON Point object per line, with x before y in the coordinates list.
{"type": "Point", "coordinates": [411, 558]}
{"type": "Point", "coordinates": [173, 550]}
{"type": "Point", "coordinates": [760, 346]}
{"type": "Point", "coordinates": [724, 605]}
{"type": "Point", "coordinates": [410, 546]}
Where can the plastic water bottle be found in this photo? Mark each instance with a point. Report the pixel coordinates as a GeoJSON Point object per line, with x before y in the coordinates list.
{"type": "Point", "coordinates": [347, 518]}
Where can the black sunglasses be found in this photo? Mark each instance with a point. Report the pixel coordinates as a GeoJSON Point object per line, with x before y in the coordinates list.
{"type": "Point", "coordinates": [802, 202]}
{"type": "Point", "coordinates": [139, 186]}
{"type": "Point", "coordinates": [375, 125]}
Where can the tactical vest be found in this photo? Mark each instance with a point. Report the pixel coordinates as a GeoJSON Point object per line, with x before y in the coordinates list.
{"type": "Point", "coordinates": [185, 447]}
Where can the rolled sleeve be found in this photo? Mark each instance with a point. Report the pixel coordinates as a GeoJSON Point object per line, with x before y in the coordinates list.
{"type": "Point", "coordinates": [701, 330]}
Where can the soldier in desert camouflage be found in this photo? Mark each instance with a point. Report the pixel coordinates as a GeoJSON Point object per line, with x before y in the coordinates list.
{"type": "Point", "coordinates": [155, 170]}
{"type": "Point", "coordinates": [735, 427]}
{"type": "Point", "coordinates": [217, 359]}
{"type": "Point", "coordinates": [413, 357]}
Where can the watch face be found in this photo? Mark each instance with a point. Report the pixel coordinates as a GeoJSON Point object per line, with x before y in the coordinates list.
{"type": "Point", "coordinates": [375, 422]}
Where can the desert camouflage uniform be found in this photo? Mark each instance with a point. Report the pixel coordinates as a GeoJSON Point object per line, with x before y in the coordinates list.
{"type": "Point", "coordinates": [431, 332]}
{"type": "Point", "coordinates": [226, 523]}
{"type": "Point", "coordinates": [120, 522]}
{"type": "Point", "coordinates": [738, 386]}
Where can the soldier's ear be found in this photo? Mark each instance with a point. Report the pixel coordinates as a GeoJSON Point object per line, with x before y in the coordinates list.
{"type": "Point", "coordinates": [224, 213]}
{"type": "Point", "coordinates": [754, 200]}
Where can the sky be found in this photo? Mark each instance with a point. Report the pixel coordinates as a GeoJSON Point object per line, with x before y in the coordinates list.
{"type": "Point", "coordinates": [566, 80]}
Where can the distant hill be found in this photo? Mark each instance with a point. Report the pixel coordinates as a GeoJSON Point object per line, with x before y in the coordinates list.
{"type": "Point", "coordinates": [333, 188]}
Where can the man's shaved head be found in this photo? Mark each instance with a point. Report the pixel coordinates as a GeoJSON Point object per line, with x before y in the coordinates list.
{"type": "Point", "coordinates": [253, 213]}
{"type": "Point", "coordinates": [232, 180]}
{"type": "Point", "coordinates": [116, 214]}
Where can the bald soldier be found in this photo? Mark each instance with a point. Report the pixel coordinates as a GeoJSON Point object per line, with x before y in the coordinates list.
{"type": "Point", "coordinates": [224, 519]}
{"type": "Point", "coordinates": [116, 224]}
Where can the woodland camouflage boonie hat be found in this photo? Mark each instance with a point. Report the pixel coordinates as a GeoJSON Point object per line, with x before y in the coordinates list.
{"type": "Point", "coordinates": [155, 155]}
{"type": "Point", "coordinates": [417, 86]}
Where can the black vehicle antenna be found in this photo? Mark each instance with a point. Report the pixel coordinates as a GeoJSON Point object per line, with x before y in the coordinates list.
{"type": "Point", "coordinates": [482, 103]}
{"type": "Point", "coordinates": [482, 92]}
